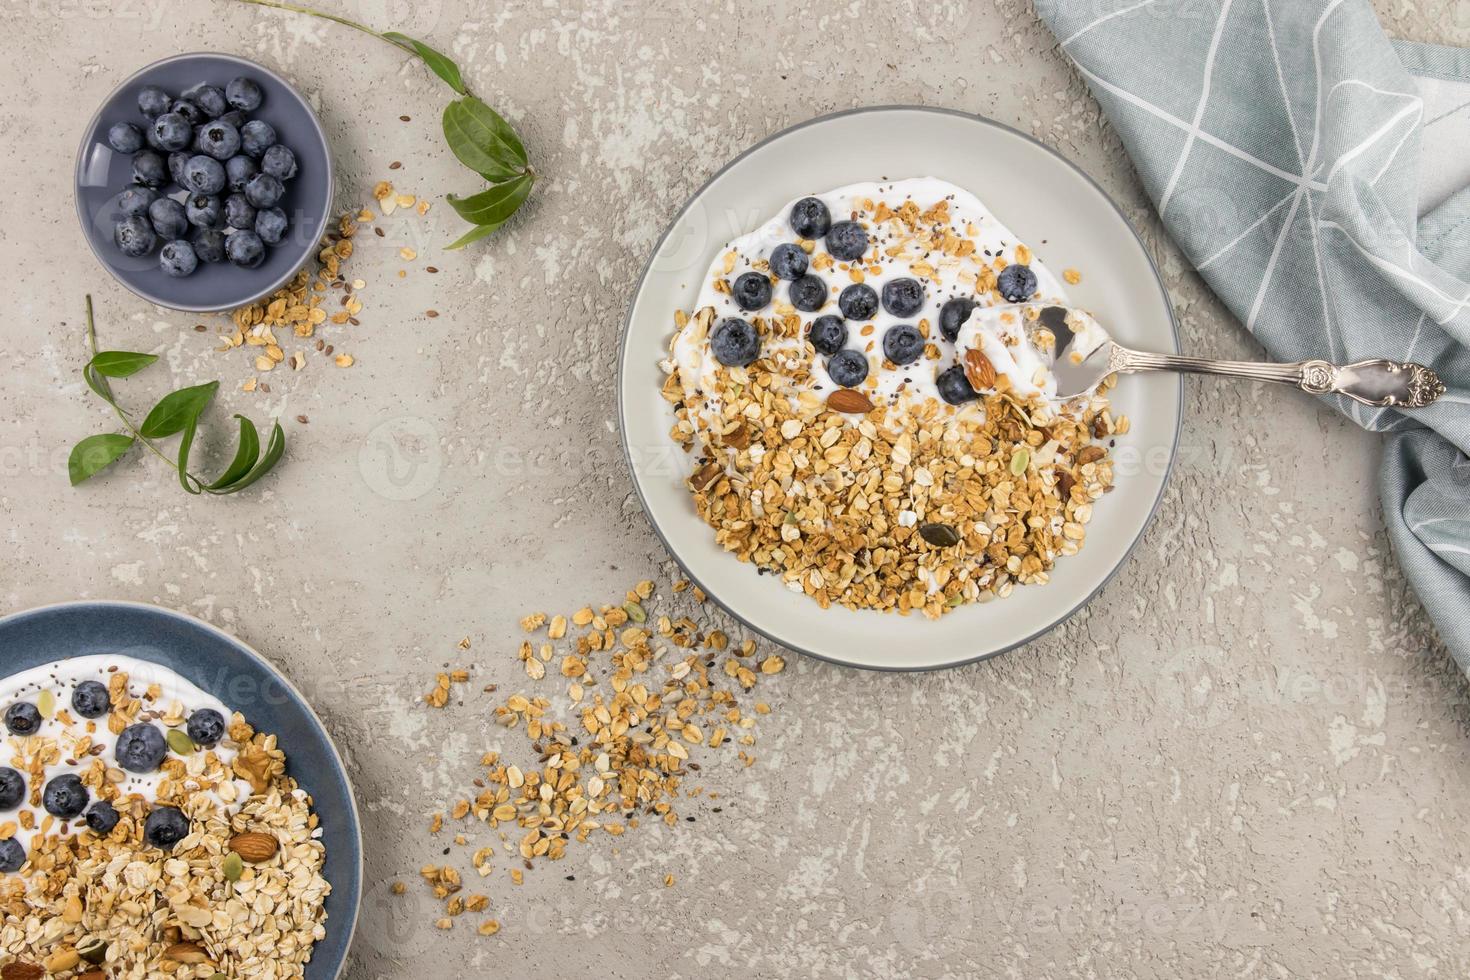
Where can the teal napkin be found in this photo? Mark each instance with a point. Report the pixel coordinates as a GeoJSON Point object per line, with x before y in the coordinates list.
{"type": "Point", "coordinates": [1315, 173]}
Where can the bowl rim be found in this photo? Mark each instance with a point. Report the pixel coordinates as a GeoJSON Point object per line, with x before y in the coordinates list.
{"type": "Point", "coordinates": [770, 633]}
{"type": "Point", "coordinates": [91, 127]}
{"type": "Point", "coordinates": [264, 662]}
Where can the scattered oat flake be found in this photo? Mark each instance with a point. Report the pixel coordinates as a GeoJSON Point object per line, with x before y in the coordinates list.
{"type": "Point", "coordinates": [1072, 276]}
{"type": "Point", "coordinates": [344, 360]}
{"type": "Point", "coordinates": [407, 254]}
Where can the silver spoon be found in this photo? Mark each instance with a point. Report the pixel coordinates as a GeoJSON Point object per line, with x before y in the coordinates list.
{"type": "Point", "coordinates": [1085, 354]}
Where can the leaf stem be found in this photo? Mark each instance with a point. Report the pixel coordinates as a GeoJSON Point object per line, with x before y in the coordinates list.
{"type": "Point", "coordinates": [102, 382]}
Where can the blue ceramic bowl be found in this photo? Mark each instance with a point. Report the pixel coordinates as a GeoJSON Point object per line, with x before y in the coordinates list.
{"type": "Point", "coordinates": [242, 679]}
{"type": "Point", "coordinates": [103, 174]}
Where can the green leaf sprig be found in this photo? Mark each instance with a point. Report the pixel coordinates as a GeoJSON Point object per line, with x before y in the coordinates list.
{"type": "Point", "coordinates": [177, 413]}
{"type": "Point", "coordinates": [477, 135]}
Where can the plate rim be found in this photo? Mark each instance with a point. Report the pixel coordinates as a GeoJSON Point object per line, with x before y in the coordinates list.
{"type": "Point", "coordinates": [622, 374]}
{"type": "Point", "coordinates": [262, 660]}
{"type": "Point", "coordinates": [91, 127]}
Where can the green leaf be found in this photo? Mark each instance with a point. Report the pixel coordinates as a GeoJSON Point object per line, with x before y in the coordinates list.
{"type": "Point", "coordinates": [437, 63]}
{"type": "Point", "coordinates": [482, 140]}
{"type": "Point", "coordinates": [96, 453]}
{"type": "Point", "coordinates": [176, 409]}
{"type": "Point", "coordinates": [120, 363]}
{"type": "Point", "coordinates": [274, 449]}
{"type": "Point", "coordinates": [245, 455]}
{"type": "Point", "coordinates": [187, 480]}
{"type": "Point", "coordinates": [474, 235]}
{"type": "Point", "coordinates": [494, 204]}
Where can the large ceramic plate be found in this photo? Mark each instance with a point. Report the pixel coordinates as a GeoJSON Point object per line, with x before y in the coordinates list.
{"type": "Point", "coordinates": [223, 666]}
{"type": "Point", "coordinates": [1045, 200]}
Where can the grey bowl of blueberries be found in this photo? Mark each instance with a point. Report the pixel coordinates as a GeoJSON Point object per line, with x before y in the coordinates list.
{"type": "Point", "coordinates": [204, 182]}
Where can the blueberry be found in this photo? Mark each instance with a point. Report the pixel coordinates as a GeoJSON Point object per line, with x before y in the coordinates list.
{"type": "Point", "coordinates": [135, 200]}
{"type": "Point", "coordinates": [140, 748]}
{"type": "Point", "coordinates": [238, 171]}
{"type": "Point", "coordinates": [134, 236]}
{"type": "Point", "coordinates": [1017, 283]}
{"type": "Point", "coordinates": [902, 344]}
{"type": "Point", "coordinates": [903, 297]}
{"type": "Point", "coordinates": [12, 855]}
{"type": "Point", "coordinates": [279, 162]}
{"type": "Point", "coordinates": [735, 342]}
{"type": "Point", "coordinates": [243, 94]}
{"type": "Point", "coordinates": [90, 699]}
{"type": "Point", "coordinates": [858, 302]}
{"type": "Point", "coordinates": [12, 788]}
{"type": "Point", "coordinates": [204, 210]}
{"type": "Point", "coordinates": [952, 316]}
{"type": "Point", "coordinates": [810, 218]}
{"type": "Point", "coordinates": [165, 827]}
{"type": "Point", "coordinates": [191, 112]}
{"type": "Point", "coordinates": [256, 137]}
{"type": "Point", "coordinates": [65, 796]}
{"type": "Point", "coordinates": [238, 212]}
{"type": "Point", "coordinates": [204, 175]}
{"type": "Point", "coordinates": [169, 218]}
{"type": "Point", "coordinates": [149, 169]}
{"type": "Point", "coordinates": [828, 334]}
{"type": "Point", "coordinates": [234, 117]}
{"type": "Point", "coordinates": [245, 249]}
{"type": "Point", "coordinates": [153, 101]}
{"type": "Point", "coordinates": [172, 131]}
{"type": "Point", "coordinates": [124, 137]}
{"type": "Point", "coordinates": [177, 259]}
{"type": "Point", "coordinates": [807, 294]}
{"type": "Point", "coordinates": [176, 163]}
{"type": "Point", "coordinates": [847, 368]}
{"type": "Point", "coordinates": [205, 727]}
{"type": "Point", "coordinates": [752, 290]}
{"type": "Point", "coordinates": [788, 261]}
{"type": "Point", "coordinates": [270, 225]}
{"type": "Point", "coordinates": [954, 387]}
{"type": "Point", "coordinates": [209, 98]}
{"type": "Point", "coordinates": [102, 817]}
{"type": "Point", "coordinates": [847, 241]}
{"type": "Point", "coordinates": [263, 190]}
{"type": "Point", "coordinates": [209, 245]}
{"type": "Point", "coordinates": [219, 139]}
{"type": "Point", "coordinates": [22, 718]}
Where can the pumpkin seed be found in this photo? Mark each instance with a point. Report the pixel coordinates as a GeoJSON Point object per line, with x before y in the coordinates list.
{"type": "Point", "coordinates": [233, 866]}
{"type": "Point", "coordinates": [635, 612]}
{"type": "Point", "coordinates": [179, 742]}
{"type": "Point", "coordinates": [46, 704]}
{"type": "Point", "coordinates": [939, 535]}
{"type": "Point", "coordinates": [93, 949]}
{"type": "Point", "coordinates": [1020, 461]}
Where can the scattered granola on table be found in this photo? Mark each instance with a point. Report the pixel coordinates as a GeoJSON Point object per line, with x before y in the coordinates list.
{"type": "Point", "coordinates": [643, 694]}
{"type": "Point", "coordinates": [146, 830]}
{"type": "Point", "coordinates": [866, 384]}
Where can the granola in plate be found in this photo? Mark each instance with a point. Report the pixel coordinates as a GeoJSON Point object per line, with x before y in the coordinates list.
{"type": "Point", "coordinates": [866, 383]}
{"type": "Point", "coordinates": [147, 830]}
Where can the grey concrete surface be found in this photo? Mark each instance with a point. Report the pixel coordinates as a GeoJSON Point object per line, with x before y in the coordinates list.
{"type": "Point", "coordinates": [1247, 757]}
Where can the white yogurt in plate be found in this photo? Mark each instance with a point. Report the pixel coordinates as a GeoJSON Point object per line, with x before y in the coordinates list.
{"type": "Point", "coordinates": [80, 740]}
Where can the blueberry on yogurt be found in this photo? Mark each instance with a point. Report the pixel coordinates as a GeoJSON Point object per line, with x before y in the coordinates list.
{"type": "Point", "coordinates": [209, 245]}
{"type": "Point", "coordinates": [279, 162]}
{"type": "Point", "coordinates": [102, 817]}
{"type": "Point", "coordinates": [1017, 283]}
{"type": "Point", "coordinates": [751, 291]}
{"type": "Point", "coordinates": [788, 261]}
{"type": "Point", "coordinates": [149, 169]}
{"type": "Point", "coordinates": [22, 718]}
{"type": "Point", "coordinates": [734, 342]}
{"type": "Point", "coordinates": [140, 748]}
{"type": "Point", "coordinates": [903, 297]}
{"type": "Point", "coordinates": [165, 827]}
{"type": "Point", "coordinates": [177, 259]}
{"type": "Point", "coordinates": [808, 294]}
{"type": "Point", "coordinates": [902, 344]}
{"type": "Point", "coordinates": [243, 94]}
{"type": "Point", "coordinates": [810, 218]}
{"type": "Point", "coordinates": [134, 236]}
{"type": "Point", "coordinates": [828, 334]}
{"type": "Point", "coordinates": [847, 241]}
{"type": "Point", "coordinates": [90, 699]}
{"type": "Point", "coordinates": [205, 727]}
{"type": "Point", "coordinates": [124, 137]}
{"type": "Point", "coordinates": [848, 368]}
{"type": "Point", "coordinates": [858, 302]}
{"type": "Point", "coordinates": [153, 101]}
{"type": "Point", "coordinates": [12, 856]}
{"type": "Point", "coordinates": [12, 788]}
{"type": "Point", "coordinates": [256, 137]}
{"type": "Point", "coordinates": [952, 316]}
{"type": "Point", "coordinates": [65, 796]}
{"type": "Point", "coordinates": [168, 217]}
{"type": "Point", "coordinates": [172, 131]}
{"type": "Point", "coordinates": [954, 387]}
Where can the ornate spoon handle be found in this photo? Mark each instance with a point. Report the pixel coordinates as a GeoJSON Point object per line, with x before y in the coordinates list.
{"type": "Point", "coordinates": [1380, 383]}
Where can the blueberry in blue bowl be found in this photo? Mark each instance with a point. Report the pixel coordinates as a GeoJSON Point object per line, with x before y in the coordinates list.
{"type": "Point", "coordinates": [124, 137]}
{"type": "Point", "coordinates": [178, 259]}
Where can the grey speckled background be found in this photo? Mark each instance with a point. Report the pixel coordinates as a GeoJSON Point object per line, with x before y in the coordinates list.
{"type": "Point", "coordinates": [1247, 758]}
